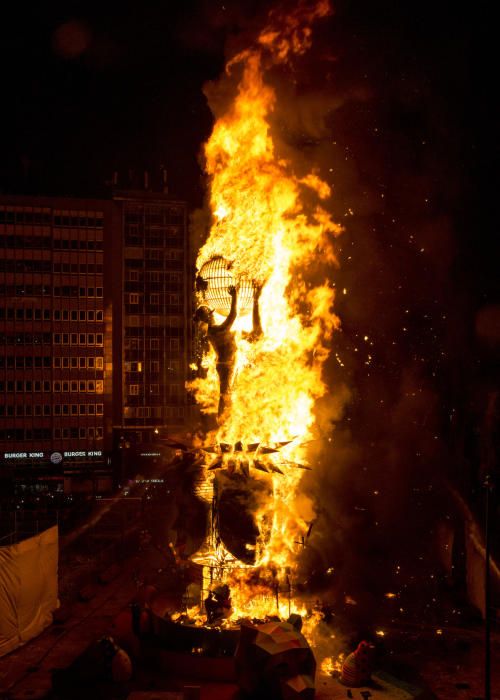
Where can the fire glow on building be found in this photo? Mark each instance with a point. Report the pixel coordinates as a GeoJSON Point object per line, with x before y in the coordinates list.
{"type": "Point", "coordinates": [265, 309]}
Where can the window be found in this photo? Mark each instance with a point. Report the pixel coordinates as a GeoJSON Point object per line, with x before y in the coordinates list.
{"type": "Point", "coordinates": [154, 366]}
{"type": "Point", "coordinates": [74, 338]}
{"type": "Point", "coordinates": [91, 409]}
{"type": "Point", "coordinates": [56, 386]}
{"type": "Point", "coordinates": [90, 291]}
{"type": "Point", "coordinates": [174, 344]}
{"type": "Point", "coordinates": [46, 410]}
{"type": "Point", "coordinates": [98, 433]}
{"type": "Point", "coordinates": [57, 409]}
{"type": "Point", "coordinates": [46, 385]}
{"type": "Point", "coordinates": [133, 389]}
{"type": "Point", "coordinates": [82, 361]}
{"type": "Point", "coordinates": [74, 409]}
{"type": "Point", "coordinates": [90, 315]}
{"type": "Point", "coordinates": [99, 409]}
{"type": "Point", "coordinates": [98, 315]}
{"type": "Point", "coordinates": [98, 292]}
{"type": "Point", "coordinates": [99, 386]}
{"type": "Point", "coordinates": [65, 386]}
{"type": "Point", "coordinates": [154, 389]}
{"type": "Point", "coordinates": [90, 338]}
{"type": "Point", "coordinates": [91, 432]}
{"type": "Point", "coordinates": [82, 386]}
{"type": "Point", "coordinates": [82, 409]}
{"type": "Point", "coordinates": [56, 361]}
{"type": "Point", "coordinates": [73, 361]}
{"type": "Point", "coordinates": [91, 362]}
{"type": "Point", "coordinates": [81, 340]}
{"type": "Point", "coordinates": [91, 386]}
{"type": "Point", "coordinates": [74, 386]}
{"type": "Point", "coordinates": [99, 339]}
{"type": "Point", "coordinates": [57, 338]}
{"type": "Point", "coordinates": [74, 315]}
{"type": "Point", "coordinates": [81, 315]}
{"type": "Point", "coordinates": [81, 432]}
{"type": "Point", "coordinates": [65, 315]}
{"type": "Point", "coordinates": [65, 338]}
{"type": "Point", "coordinates": [154, 343]}
{"type": "Point", "coordinates": [99, 362]}
{"type": "Point", "coordinates": [154, 299]}
{"type": "Point", "coordinates": [133, 298]}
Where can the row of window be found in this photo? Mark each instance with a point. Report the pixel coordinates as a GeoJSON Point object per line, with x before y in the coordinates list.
{"type": "Point", "coordinates": [91, 339]}
{"type": "Point", "coordinates": [81, 386]}
{"type": "Point", "coordinates": [154, 299]}
{"type": "Point", "coordinates": [154, 366]}
{"type": "Point", "coordinates": [154, 343]}
{"type": "Point", "coordinates": [58, 409]}
{"type": "Point", "coordinates": [29, 314]}
{"type": "Point", "coordinates": [29, 265]}
{"type": "Point", "coordinates": [38, 290]}
{"type": "Point", "coordinates": [18, 215]}
{"type": "Point", "coordinates": [47, 361]}
{"type": "Point", "coordinates": [78, 339]}
{"type": "Point", "coordinates": [154, 411]}
{"type": "Point", "coordinates": [29, 434]}
{"type": "Point", "coordinates": [48, 243]}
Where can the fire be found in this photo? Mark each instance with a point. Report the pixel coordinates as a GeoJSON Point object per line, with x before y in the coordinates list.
{"type": "Point", "coordinates": [271, 225]}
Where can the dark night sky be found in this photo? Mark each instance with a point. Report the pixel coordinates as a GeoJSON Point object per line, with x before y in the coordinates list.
{"type": "Point", "coordinates": [91, 87]}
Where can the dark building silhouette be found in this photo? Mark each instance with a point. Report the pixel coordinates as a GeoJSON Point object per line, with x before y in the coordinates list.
{"type": "Point", "coordinates": [94, 334]}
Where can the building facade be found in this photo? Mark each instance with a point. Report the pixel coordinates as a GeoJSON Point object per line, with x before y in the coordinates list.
{"type": "Point", "coordinates": [94, 334]}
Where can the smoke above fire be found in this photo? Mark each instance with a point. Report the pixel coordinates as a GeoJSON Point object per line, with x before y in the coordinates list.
{"type": "Point", "coordinates": [383, 150]}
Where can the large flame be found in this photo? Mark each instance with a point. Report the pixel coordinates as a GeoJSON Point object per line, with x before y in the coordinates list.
{"type": "Point", "coordinates": [271, 224]}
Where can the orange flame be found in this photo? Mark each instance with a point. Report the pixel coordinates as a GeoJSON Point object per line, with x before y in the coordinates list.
{"type": "Point", "coordinates": [271, 226]}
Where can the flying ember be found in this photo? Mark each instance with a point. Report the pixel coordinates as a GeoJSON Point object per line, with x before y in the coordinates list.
{"type": "Point", "coordinates": [266, 320]}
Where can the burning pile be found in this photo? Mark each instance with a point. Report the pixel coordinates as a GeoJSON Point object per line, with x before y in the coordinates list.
{"type": "Point", "coordinates": [269, 323]}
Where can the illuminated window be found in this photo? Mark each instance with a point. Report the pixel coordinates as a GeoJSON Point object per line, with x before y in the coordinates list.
{"type": "Point", "coordinates": [99, 386]}
{"type": "Point", "coordinates": [99, 362]}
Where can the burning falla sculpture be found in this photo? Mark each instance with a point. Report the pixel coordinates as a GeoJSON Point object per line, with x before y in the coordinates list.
{"type": "Point", "coordinates": [266, 322]}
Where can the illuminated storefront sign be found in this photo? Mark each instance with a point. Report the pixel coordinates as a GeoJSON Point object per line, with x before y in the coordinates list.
{"type": "Point", "coordinates": [55, 457]}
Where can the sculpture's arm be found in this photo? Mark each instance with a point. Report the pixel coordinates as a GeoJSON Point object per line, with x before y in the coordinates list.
{"type": "Point", "coordinates": [226, 325]}
{"type": "Point", "coordinates": [256, 325]}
